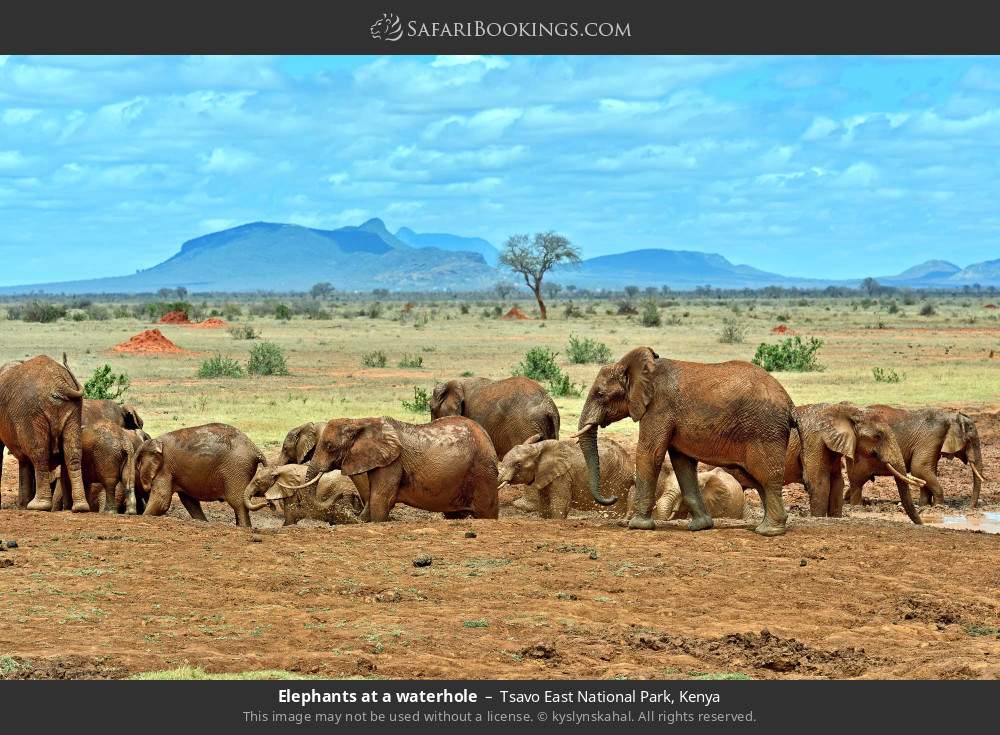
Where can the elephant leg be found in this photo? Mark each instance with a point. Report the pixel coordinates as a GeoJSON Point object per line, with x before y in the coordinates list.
{"type": "Point", "coordinates": [25, 483]}
{"type": "Point", "coordinates": [904, 496]}
{"type": "Point", "coordinates": [159, 500]}
{"type": "Point", "coordinates": [363, 487]}
{"type": "Point", "coordinates": [818, 487]}
{"type": "Point", "coordinates": [545, 502]}
{"type": "Point", "coordinates": [686, 472]}
{"type": "Point", "coordinates": [192, 506]}
{"type": "Point", "coordinates": [110, 502]}
{"type": "Point", "coordinates": [43, 491]}
{"type": "Point", "coordinates": [649, 455]}
{"type": "Point", "coordinates": [766, 464]}
{"type": "Point", "coordinates": [485, 502]}
{"type": "Point", "coordinates": [528, 500]}
{"type": "Point", "coordinates": [560, 497]}
{"type": "Point", "coordinates": [923, 468]}
{"type": "Point", "coordinates": [836, 508]}
{"type": "Point", "coordinates": [384, 487]}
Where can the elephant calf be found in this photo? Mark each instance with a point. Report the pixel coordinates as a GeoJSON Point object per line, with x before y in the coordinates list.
{"type": "Point", "coordinates": [109, 454]}
{"type": "Point", "coordinates": [210, 462]}
{"type": "Point", "coordinates": [334, 499]}
{"type": "Point", "coordinates": [722, 493]}
{"type": "Point", "coordinates": [555, 475]}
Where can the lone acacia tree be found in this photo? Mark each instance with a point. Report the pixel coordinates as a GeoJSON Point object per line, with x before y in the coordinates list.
{"type": "Point", "coordinates": [534, 257]}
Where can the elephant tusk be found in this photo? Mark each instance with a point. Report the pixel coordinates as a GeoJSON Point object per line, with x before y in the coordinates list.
{"type": "Point", "coordinates": [303, 485]}
{"type": "Point", "coordinates": [503, 485]}
{"type": "Point", "coordinates": [582, 431]}
{"type": "Point", "coordinates": [978, 474]}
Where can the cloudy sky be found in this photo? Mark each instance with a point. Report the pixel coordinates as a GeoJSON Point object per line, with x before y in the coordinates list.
{"type": "Point", "coordinates": [832, 167]}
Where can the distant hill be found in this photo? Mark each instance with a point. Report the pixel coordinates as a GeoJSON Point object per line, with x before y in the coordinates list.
{"type": "Point", "coordinates": [279, 257]}
{"type": "Point", "coordinates": [454, 243]}
{"type": "Point", "coordinates": [268, 256]}
{"type": "Point", "coordinates": [679, 269]}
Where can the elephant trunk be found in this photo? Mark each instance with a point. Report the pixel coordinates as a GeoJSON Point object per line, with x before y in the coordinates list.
{"type": "Point", "coordinates": [128, 476]}
{"type": "Point", "coordinates": [312, 477]}
{"type": "Point", "coordinates": [977, 470]}
{"type": "Point", "coordinates": [671, 500]}
{"type": "Point", "coordinates": [248, 498]}
{"type": "Point", "coordinates": [588, 444]}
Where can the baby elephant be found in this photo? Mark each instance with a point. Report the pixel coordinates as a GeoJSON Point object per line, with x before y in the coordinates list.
{"type": "Point", "coordinates": [555, 475]}
{"type": "Point", "coordinates": [722, 492]}
{"type": "Point", "coordinates": [333, 499]}
{"type": "Point", "coordinates": [210, 462]}
{"type": "Point", "coordinates": [109, 453]}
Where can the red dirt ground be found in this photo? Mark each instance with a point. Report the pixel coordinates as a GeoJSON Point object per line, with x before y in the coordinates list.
{"type": "Point", "coordinates": [515, 314]}
{"type": "Point", "coordinates": [151, 341]}
{"type": "Point", "coordinates": [174, 317]}
{"type": "Point", "coordinates": [867, 596]}
{"type": "Point", "coordinates": [210, 323]}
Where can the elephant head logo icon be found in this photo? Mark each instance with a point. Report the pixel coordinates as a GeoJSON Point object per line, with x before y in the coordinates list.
{"type": "Point", "coordinates": [387, 28]}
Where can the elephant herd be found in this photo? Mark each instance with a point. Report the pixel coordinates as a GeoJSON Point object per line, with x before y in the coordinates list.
{"type": "Point", "coordinates": [485, 436]}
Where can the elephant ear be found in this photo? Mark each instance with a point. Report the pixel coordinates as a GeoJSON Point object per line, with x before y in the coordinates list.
{"type": "Point", "coordinates": [637, 368]}
{"type": "Point", "coordinates": [375, 445]}
{"type": "Point", "coordinates": [280, 481]}
{"type": "Point", "coordinates": [533, 439]}
{"type": "Point", "coordinates": [131, 417]}
{"type": "Point", "coordinates": [955, 440]}
{"type": "Point", "coordinates": [150, 460]}
{"type": "Point", "coordinates": [840, 432]}
{"type": "Point", "coordinates": [552, 463]}
{"type": "Point", "coordinates": [453, 391]}
{"type": "Point", "coordinates": [305, 443]}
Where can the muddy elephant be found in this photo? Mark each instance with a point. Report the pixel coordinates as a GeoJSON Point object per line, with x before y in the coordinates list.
{"type": "Point", "coordinates": [731, 414]}
{"type": "Point", "coordinates": [511, 410]}
{"type": "Point", "coordinates": [210, 462]}
{"type": "Point", "coordinates": [109, 454]}
{"type": "Point", "coordinates": [828, 432]}
{"type": "Point", "coordinates": [41, 406]}
{"type": "Point", "coordinates": [555, 477]}
{"type": "Point", "coordinates": [447, 466]}
{"type": "Point", "coordinates": [121, 414]}
{"type": "Point", "coordinates": [334, 499]}
{"type": "Point", "coordinates": [924, 436]}
{"type": "Point", "coordinates": [722, 492]}
{"type": "Point", "coordinates": [300, 443]}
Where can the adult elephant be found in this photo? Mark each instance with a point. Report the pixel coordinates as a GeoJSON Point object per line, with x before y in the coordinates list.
{"type": "Point", "coordinates": [829, 432]}
{"type": "Point", "coordinates": [555, 476]}
{"type": "Point", "coordinates": [729, 414]}
{"type": "Point", "coordinates": [722, 492]}
{"type": "Point", "coordinates": [120, 414]}
{"type": "Point", "coordinates": [924, 436]}
{"type": "Point", "coordinates": [209, 462]}
{"type": "Point", "coordinates": [447, 466]}
{"type": "Point", "coordinates": [300, 443]}
{"type": "Point", "coordinates": [511, 410]}
{"type": "Point", "coordinates": [334, 499]}
{"type": "Point", "coordinates": [41, 406]}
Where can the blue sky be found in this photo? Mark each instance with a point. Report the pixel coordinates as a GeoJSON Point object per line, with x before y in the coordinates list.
{"type": "Point", "coordinates": [826, 167]}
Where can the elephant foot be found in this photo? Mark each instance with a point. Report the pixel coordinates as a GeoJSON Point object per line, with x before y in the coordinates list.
{"type": "Point", "coordinates": [39, 504]}
{"type": "Point", "coordinates": [642, 524]}
{"type": "Point", "coordinates": [525, 505]}
{"type": "Point", "coordinates": [700, 524]}
{"type": "Point", "coordinates": [767, 528]}
{"type": "Point", "coordinates": [109, 510]}
{"type": "Point", "coordinates": [81, 507]}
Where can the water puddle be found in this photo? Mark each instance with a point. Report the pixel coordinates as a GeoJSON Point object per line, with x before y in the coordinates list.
{"type": "Point", "coordinates": [986, 522]}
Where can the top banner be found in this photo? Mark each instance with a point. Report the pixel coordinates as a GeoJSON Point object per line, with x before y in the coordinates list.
{"type": "Point", "coordinates": [511, 27]}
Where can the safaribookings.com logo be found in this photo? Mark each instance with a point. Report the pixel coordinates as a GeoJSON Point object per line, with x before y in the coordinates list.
{"type": "Point", "coordinates": [390, 28]}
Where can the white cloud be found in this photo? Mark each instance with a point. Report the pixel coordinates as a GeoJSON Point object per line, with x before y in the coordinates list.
{"type": "Point", "coordinates": [227, 161]}
{"type": "Point", "coordinates": [625, 107]}
{"type": "Point", "coordinates": [11, 160]}
{"type": "Point", "coordinates": [820, 128]}
{"type": "Point", "coordinates": [490, 62]}
{"type": "Point", "coordinates": [338, 179]}
{"type": "Point", "coordinates": [931, 123]}
{"type": "Point", "coordinates": [19, 115]}
{"type": "Point", "coordinates": [861, 174]}
{"type": "Point", "coordinates": [216, 224]}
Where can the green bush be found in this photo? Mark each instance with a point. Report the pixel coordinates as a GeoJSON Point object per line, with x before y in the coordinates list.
{"type": "Point", "coordinates": [539, 364]}
{"type": "Point", "coordinates": [36, 311]}
{"type": "Point", "coordinates": [584, 350]}
{"type": "Point", "coordinates": [266, 358]}
{"type": "Point", "coordinates": [732, 332]}
{"type": "Point", "coordinates": [376, 359]}
{"type": "Point", "coordinates": [411, 361]}
{"type": "Point", "coordinates": [106, 385]}
{"type": "Point", "coordinates": [421, 402]}
{"type": "Point", "coordinates": [887, 375]}
{"type": "Point", "coordinates": [925, 310]}
{"type": "Point", "coordinates": [281, 311]}
{"type": "Point", "coordinates": [98, 313]}
{"type": "Point", "coordinates": [244, 331]}
{"type": "Point", "coordinates": [562, 386]}
{"type": "Point", "coordinates": [650, 315]}
{"type": "Point", "coordinates": [789, 355]}
{"type": "Point", "coordinates": [218, 366]}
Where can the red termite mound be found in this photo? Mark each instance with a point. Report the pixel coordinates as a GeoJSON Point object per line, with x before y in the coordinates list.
{"type": "Point", "coordinates": [151, 341]}
{"type": "Point", "coordinates": [515, 313]}
{"type": "Point", "coordinates": [174, 317]}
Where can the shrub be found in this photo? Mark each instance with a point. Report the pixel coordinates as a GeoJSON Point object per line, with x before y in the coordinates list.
{"type": "Point", "coordinates": [583, 350]}
{"type": "Point", "coordinates": [372, 312]}
{"type": "Point", "coordinates": [893, 307]}
{"type": "Point", "coordinates": [887, 375]}
{"type": "Point", "coordinates": [244, 331]}
{"type": "Point", "coordinates": [732, 332]}
{"type": "Point", "coordinates": [570, 311]}
{"type": "Point", "coordinates": [464, 308]}
{"type": "Point", "coordinates": [218, 366]}
{"type": "Point", "coordinates": [37, 311]}
{"type": "Point", "coordinates": [375, 359]}
{"type": "Point", "coordinates": [106, 385]}
{"type": "Point", "coordinates": [421, 402]}
{"type": "Point", "coordinates": [562, 386]}
{"type": "Point", "coordinates": [266, 358]}
{"type": "Point", "coordinates": [122, 312]}
{"type": "Point", "coordinates": [539, 364]}
{"type": "Point", "coordinates": [281, 311]}
{"type": "Point", "coordinates": [625, 308]}
{"type": "Point", "coordinates": [98, 313]}
{"type": "Point", "coordinates": [77, 315]}
{"type": "Point", "coordinates": [651, 315]}
{"type": "Point", "coordinates": [411, 361]}
{"type": "Point", "coordinates": [925, 310]}
{"type": "Point", "coordinates": [789, 355]}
